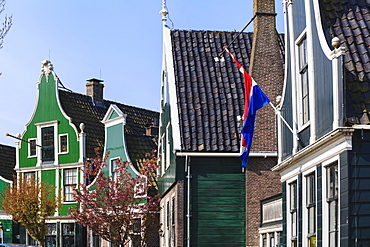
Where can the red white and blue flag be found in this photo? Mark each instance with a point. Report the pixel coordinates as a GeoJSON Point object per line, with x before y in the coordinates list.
{"type": "Point", "coordinates": [254, 99]}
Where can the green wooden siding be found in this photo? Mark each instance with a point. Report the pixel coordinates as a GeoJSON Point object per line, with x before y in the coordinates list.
{"type": "Point", "coordinates": [217, 202]}
{"type": "Point", "coordinates": [7, 231]}
{"type": "Point", "coordinates": [47, 109]}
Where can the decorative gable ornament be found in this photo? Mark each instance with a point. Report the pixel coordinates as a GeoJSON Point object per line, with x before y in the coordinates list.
{"type": "Point", "coordinates": [46, 68]}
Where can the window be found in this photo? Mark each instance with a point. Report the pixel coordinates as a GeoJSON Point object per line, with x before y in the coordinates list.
{"type": "Point", "coordinates": [51, 238]}
{"type": "Point", "coordinates": [303, 84]}
{"type": "Point", "coordinates": [70, 181]}
{"type": "Point", "coordinates": [47, 140]}
{"type": "Point", "coordinates": [32, 148]}
{"type": "Point", "coordinates": [63, 143]}
{"type": "Point", "coordinates": [136, 230]}
{"type": "Point", "coordinates": [113, 168]}
{"type": "Point", "coordinates": [311, 209]}
{"type": "Point", "coordinates": [332, 200]}
{"type": "Point", "coordinates": [293, 212]}
{"type": "Point", "coordinates": [29, 176]}
{"type": "Point", "coordinates": [68, 234]}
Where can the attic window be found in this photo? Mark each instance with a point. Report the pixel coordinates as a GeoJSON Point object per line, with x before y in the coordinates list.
{"type": "Point", "coordinates": [63, 143]}
{"type": "Point", "coordinates": [48, 144]}
{"type": "Point", "coordinates": [32, 147]}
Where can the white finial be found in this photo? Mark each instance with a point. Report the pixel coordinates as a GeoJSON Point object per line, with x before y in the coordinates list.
{"type": "Point", "coordinates": [164, 11]}
{"type": "Point", "coordinates": [46, 67]}
{"type": "Point", "coordinates": [82, 127]}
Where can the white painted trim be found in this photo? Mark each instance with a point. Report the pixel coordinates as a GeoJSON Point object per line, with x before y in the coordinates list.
{"type": "Point", "coordinates": [205, 154]}
{"type": "Point", "coordinates": [269, 229]}
{"type": "Point", "coordinates": [111, 122]}
{"type": "Point", "coordinates": [293, 69]}
{"type": "Point", "coordinates": [29, 148]}
{"type": "Point", "coordinates": [323, 42]}
{"type": "Point", "coordinates": [60, 145]}
{"type": "Point", "coordinates": [39, 127]}
{"type": "Point", "coordinates": [311, 71]}
{"type": "Point", "coordinates": [336, 141]}
{"type": "Point", "coordinates": [170, 68]}
{"type": "Point", "coordinates": [6, 180]}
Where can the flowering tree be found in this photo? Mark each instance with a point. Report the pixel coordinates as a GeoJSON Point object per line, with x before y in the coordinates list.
{"type": "Point", "coordinates": [30, 202]}
{"type": "Point", "coordinates": [6, 24]}
{"type": "Point", "coordinates": [118, 208]}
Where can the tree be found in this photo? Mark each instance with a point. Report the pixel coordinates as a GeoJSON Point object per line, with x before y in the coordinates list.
{"type": "Point", "coordinates": [119, 208]}
{"type": "Point", "coordinates": [30, 202]}
{"type": "Point", "coordinates": [6, 24]}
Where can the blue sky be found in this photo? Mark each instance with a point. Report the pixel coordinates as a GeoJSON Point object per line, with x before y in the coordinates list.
{"type": "Point", "coordinates": [117, 41]}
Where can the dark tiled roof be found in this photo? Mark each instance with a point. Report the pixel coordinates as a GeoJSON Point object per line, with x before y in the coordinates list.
{"type": "Point", "coordinates": [210, 94]}
{"type": "Point", "coordinates": [82, 109]}
{"type": "Point", "coordinates": [349, 20]}
{"type": "Point", "coordinates": [7, 155]}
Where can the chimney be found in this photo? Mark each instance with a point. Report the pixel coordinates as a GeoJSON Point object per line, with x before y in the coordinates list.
{"type": "Point", "coordinates": [94, 88]}
{"type": "Point", "coordinates": [152, 129]}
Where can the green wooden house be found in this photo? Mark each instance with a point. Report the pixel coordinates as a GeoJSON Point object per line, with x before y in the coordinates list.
{"type": "Point", "coordinates": [207, 200]}
{"type": "Point", "coordinates": [7, 157]}
{"type": "Point", "coordinates": [68, 126]}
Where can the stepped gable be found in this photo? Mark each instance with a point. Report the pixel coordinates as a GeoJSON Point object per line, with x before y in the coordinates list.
{"type": "Point", "coordinates": [349, 20]}
{"type": "Point", "coordinates": [7, 154]}
{"type": "Point", "coordinates": [83, 109]}
{"type": "Point", "coordinates": [210, 94]}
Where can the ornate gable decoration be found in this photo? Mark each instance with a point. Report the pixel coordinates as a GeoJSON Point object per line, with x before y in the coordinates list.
{"type": "Point", "coordinates": [46, 68]}
{"type": "Point", "coordinates": [113, 116]}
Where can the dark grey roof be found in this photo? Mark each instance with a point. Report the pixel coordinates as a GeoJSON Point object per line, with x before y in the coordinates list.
{"type": "Point", "coordinates": [82, 109]}
{"type": "Point", "coordinates": [349, 20]}
{"type": "Point", "coordinates": [7, 157]}
{"type": "Point", "coordinates": [210, 94]}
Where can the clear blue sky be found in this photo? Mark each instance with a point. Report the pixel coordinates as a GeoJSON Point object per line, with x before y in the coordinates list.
{"type": "Point", "coordinates": [117, 41]}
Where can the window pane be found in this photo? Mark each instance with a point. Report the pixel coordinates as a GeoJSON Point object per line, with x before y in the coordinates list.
{"type": "Point", "coordinates": [70, 180]}
{"type": "Point", "coordinates": [32, 148]}
{"type": "Point", "coordinates": [68, 238]}
{"type": "Point", "coordinates": [311, 220]}
{"type": "Point", "coordinates": [47, 144]}
{"type": "Point", "coordinates": [63, 144]}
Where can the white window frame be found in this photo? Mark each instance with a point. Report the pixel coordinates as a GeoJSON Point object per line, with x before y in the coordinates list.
{"type": "Point", "coordinates": [325, 206]}
{"type": "Point", "coordinates": [305, 216]}
{"type": "Point", "coordinates": [29, 147]}
{"type": "Point", "coordinates": [300, 118]}
{"type": "Point", "coordinates": [64, 185]}
{"type": "Point", "coordinates": [168, 146]}
{"type": "Point", "coordinates": [39, 127]}
{"type": "Point", "coordinates": [60, 144]}
{"type": "Point", "coordinates": [113, 164]}
{"type": "Point", "coordinates": [289, 219]}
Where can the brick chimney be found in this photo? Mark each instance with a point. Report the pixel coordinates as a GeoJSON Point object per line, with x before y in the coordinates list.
{"type": "Point", "coordinates": [94, 88]}
{"type": "Point", "coordinates": [266, 68]}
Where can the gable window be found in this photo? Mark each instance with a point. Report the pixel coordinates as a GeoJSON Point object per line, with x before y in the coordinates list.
{"type": "Point", "coordinates": [303, 90]}
{"type": "Point", "coordinates": [47, 142]}
{"type": "Point", "coordinates": [293, 212]}
{"type": "Point", "coordinates": [69, 181]}
{"type": "Point", "coordinates": [32, 147]}
{"type": "Point", "coordinates": [63, 143]}
{"type": "Point", "coordinates": [332, 200]}
{"type": "Point", "coordinates": [113, 168]}
{"type": "Point", "coordinates": [311, 209]}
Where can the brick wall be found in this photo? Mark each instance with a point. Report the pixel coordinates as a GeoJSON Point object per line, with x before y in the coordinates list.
{"type": "Point", "coordinates": [261, 183]}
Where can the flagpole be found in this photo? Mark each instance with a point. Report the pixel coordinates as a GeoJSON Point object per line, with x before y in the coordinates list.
{"type": "Point", "coordinates": [283, 119]}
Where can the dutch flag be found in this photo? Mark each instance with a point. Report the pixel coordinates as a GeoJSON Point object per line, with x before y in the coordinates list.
{"type": "Point", "coordinates": [254, 99]}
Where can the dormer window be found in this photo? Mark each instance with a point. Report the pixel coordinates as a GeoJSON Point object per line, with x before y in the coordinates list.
{"type": "Point", "coordinates": [47, 140]}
